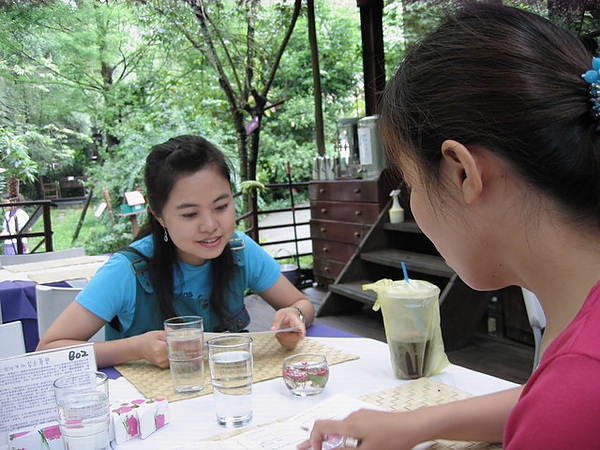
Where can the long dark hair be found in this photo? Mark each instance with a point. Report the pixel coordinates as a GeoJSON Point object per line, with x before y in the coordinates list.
{"type": "Point", "coordinates": [166, 162]}
{"type": "Point", "coordinates": [507, 80]}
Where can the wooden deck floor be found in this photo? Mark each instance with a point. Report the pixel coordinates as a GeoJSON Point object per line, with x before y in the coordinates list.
{"type": "Point", "coordinates": [502, 358]}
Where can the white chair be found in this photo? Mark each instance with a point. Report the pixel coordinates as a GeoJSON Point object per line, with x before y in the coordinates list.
{"type": "Point", "coordinates": [12, 341]}
{"type": "Point", "coordinates": [51, 301]}
{"type": "Point", "coordinates": [7, 260]}
{"type": "Point", "coordinates": [537, 320]}
{"type": "Point", "coordinates": [77, 282]}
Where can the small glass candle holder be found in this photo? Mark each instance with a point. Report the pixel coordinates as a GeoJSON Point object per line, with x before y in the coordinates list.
{"type": "Point", "coordinates": [305, 374]}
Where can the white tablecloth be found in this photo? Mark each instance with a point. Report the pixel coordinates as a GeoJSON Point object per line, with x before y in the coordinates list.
{"type": "Point", "coordinates": [195, 418]}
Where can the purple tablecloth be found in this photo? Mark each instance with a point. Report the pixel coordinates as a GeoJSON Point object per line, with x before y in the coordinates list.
{"type": "Point", "coordinates": [319, 330]}
{"type": "Point", "coordinates": [18, 303]}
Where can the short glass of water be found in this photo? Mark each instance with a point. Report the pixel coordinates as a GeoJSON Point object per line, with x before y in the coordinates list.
{"type": "Point", "coordinates": [83, 410]}
{"type": "Point", "coordinates": [185, 341]}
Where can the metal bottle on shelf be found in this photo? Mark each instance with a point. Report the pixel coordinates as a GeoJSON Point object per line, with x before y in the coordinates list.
{"type": "Point", "coordinates": [348, 158]}
{"type": "Point", "coordinates": [371, 153]}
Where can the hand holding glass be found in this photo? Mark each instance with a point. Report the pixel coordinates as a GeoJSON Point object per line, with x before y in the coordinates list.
{"type": "Point", "coordinates": [186, 349]}
{"type": "Point", "coordinates": [83, 410]}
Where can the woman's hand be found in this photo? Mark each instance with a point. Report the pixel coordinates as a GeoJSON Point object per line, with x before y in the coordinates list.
{"type": "Point", "coordinates": [285, 298]}
{"type": "Point", "coordinates": [288, 318]}
{"type": "Point", "coordinates": [481, 418]}
{"type": "Point", "coordinates": [153, 348]}
{"type": "Point", "coordinates": [375, 430]}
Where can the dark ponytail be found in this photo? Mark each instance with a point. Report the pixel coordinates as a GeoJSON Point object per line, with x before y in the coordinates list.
{"type": "Point", "coordinates": [507, 80]}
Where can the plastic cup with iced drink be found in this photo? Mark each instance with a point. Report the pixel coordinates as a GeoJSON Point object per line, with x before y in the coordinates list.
{"type": "Point", "coordinates": [410, 316]}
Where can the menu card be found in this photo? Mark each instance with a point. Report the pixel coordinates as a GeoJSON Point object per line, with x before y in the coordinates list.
{"type": "Point", "coordinates": [26, 396]}
{"type": "Point", "coordinates": [283, 434]}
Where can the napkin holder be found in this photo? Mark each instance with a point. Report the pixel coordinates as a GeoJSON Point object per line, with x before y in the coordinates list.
{"type": "Point", "coordinates": [137, 418]}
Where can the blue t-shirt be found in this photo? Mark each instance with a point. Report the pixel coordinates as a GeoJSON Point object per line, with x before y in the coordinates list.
{"type": "Point", "coordinates": [112, 291]}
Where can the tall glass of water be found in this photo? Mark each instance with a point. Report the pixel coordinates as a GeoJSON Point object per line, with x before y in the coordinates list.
{"type": "Point", "coordinates": [83, 410]}
{"type": "Point", "coordinates": [230, 362]}
{"type": "Point", "coordinates": [186, 349]}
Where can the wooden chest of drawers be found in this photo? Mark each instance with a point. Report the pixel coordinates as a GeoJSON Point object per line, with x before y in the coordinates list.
{"type": "Point", "coordinates": [342, 212]}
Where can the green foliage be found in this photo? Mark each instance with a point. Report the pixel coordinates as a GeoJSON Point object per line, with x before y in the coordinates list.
{"type": "Point", "coordinates": [405, 22]}
{"type": "Point", "coordinates": [107, 240]}
{"type": "Point", "coordinates": [128, 76]}
{"type": "Point", "coordinates": [64, 222]}
{"type": "Point", "coordinates": [14, 155]}
{"type": "Point", "coordinates": [112, 79]}
{"type": "Point", "coordinates": [288, 133]}
{"type": "Point", "coordinates": [97, 234]}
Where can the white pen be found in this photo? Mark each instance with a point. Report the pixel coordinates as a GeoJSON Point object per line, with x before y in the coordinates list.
{"type": "Point", "coordinates": [335, 441]}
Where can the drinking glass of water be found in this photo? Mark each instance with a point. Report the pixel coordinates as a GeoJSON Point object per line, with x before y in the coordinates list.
{"type": "Point", "coordinates": [186, 349]}
{"type": "Point", "coordinates": [230, 362]}
{"type": "Point", "coordinates": [83, 410]}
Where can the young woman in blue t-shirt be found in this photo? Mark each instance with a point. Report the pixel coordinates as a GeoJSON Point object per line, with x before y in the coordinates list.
{"type": "Point", "coordinates": [187, 260]}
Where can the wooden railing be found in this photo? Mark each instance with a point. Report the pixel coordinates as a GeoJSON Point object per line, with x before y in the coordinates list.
{"type": "Point", "coordinates": [41, 209]}
{"type": "Point", "coordinates": [253, 215]}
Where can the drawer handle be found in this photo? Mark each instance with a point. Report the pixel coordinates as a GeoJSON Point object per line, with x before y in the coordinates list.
{"type": "Point", "coordinates": [357, 213]}
{"type": "Point", "coordinates": [323, 230]}
{"type": "Point", "coordinates": [357, 234]}
{"type": "Point", "coordinates": [321, 190]}
{"type": "Point", "coordinates": [324, 210]}
{"type": "Point", "coordinates": [326, 250]}
{"type": "Point", "coordinates": [357, 190]}
{"type": "Point", "coordinates": [326, 268]}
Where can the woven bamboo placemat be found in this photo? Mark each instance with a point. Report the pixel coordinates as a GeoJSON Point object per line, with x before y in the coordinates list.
{"type": "Point", "coordinates": [268, 355]}
{"type": "Point", "coordinates": [409, 396]}
{"type": "Point", "coordinates": [425, 392]}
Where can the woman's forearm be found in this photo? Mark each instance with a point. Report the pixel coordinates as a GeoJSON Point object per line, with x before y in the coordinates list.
{"type": "Point", "coordinates": [150, 346]}
{"type": "Point", "coordinates": [108, 353]}
{"type": "Point", "coordinates": [476, 419]}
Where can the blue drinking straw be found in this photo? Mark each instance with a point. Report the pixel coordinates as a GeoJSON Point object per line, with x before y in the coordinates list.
{"type": "Point", "coordinates": [405, 272]}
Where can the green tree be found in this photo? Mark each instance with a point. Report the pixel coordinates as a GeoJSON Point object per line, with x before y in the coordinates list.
{"type": "Point", "coordinates": [14, 156]}
{"type": "Point", "coordinates": [243, 44]}
{"type": "Point", "coordinates": [289, 130]}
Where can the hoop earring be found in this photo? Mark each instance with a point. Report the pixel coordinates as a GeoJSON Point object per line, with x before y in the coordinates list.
{"type": "Point", "coordinates": [166, 236]}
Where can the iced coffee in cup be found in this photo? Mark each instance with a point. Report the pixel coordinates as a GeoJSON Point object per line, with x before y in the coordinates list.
{"type": "Point", "coordinates": [411, 320]}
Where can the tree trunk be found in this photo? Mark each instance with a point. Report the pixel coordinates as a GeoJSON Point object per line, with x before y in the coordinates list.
{"type": "Point", "coordinates": [316, 72]}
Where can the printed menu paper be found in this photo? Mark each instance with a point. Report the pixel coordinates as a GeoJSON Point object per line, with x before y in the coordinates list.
{"type": "Point", "coordinates": [286, 434]}
{"type": "Point", "coordinates": [26, 396]}
{"type": "Point", "coordinates": [209, 335]}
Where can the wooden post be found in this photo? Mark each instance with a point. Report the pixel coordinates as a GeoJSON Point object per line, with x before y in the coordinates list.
{"type": "Point", "coordinates": [371, 19]}
{"type": "Point", "coordinates": [109, 205]}
{"type": "Point", "coordinates": [48, 226]}
{"type": "Point", "coordinates": [82, 216]}
{"type": "Point", "coordinates": [134, 224]}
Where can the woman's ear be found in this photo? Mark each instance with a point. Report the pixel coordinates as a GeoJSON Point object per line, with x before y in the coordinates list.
{"type": "Point", "coordinates": [462, 167]}
{"type": "Point", "coordinates": [158, 218]}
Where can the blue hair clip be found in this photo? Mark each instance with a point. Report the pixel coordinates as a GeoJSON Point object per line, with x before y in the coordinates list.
{"type": "Point", "coordinates": [593, 78]}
